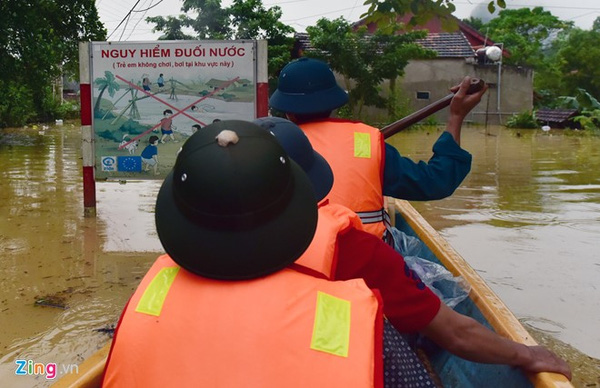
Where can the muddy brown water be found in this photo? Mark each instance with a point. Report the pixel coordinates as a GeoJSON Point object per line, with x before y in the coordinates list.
{"type": "Point", "coordinates": [527, 219]}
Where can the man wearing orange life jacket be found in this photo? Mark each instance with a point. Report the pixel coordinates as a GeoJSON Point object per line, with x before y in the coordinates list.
{"type": "Point", "coordinates": [395, 282]}
{"type": "Point", "coordinates": [348, 252]}
{"type": "Point", "coordinates": [402, 367]}
{"type": "Point", "coordinates": [227, 306]}
{"type": "Point", "coordinates": [365, 167]}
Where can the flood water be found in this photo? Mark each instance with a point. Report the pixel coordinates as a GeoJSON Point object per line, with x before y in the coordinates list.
{"type": "Point", "coordinates": [527, 219]}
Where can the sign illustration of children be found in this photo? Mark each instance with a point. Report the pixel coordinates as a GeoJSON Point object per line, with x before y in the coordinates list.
{"type": "Point", "coordinates": [146, 83]}
{"type": "Point", "coordinates": [166, 126]}
{"type": "Point", "coordinates": [160, 81]}
{"type": "Point", "coordinates": [150, 155]}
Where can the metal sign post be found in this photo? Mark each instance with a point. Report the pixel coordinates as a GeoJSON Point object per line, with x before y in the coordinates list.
{"type": "Point", "coordinates": [87, 136]}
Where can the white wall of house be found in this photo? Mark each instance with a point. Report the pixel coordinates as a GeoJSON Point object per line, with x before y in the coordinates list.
{"type": "Point", "coordinates": [437, 76]}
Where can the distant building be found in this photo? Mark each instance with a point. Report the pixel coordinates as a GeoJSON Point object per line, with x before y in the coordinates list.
{"type": "Point", "coordinates": [557, 118]}
{"type": "Point", "coordinates": [70, 88]}
{"type": "Point", "coordinates": [217, 83]}
{"type": "Point", "coordinates": [221, 84]}
{"type": "Point", "coordinates": [243, 82]}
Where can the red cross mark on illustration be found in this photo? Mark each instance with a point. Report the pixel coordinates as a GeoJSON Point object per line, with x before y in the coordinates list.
{"type": "Point", "coordinates": [176, 111]}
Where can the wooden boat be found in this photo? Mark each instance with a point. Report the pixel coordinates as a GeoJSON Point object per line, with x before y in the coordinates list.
{"type": "Point", "coordinates": [483, 305]}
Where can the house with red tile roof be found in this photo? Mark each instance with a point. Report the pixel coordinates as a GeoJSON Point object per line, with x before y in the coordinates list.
{"type": "Point", "coordinates": [460, 52]}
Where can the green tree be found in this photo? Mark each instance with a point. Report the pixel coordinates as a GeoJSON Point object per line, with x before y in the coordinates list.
{"type": "Point", "coordinates": [526, 33]}
{"type": "Point", "coordinates": [384, 12]}
{"type": "Point", "coordinates": [577, 60]}
{"type": "Point", "coordinates": [533, 38]}
{"type": "Point", "coordinates": [394, 51]}
{"type": "Point", "coordinates": [171, 27]}
{"type": "Point", "coordinates": [596, 25]}
{"type": "Point", "coordinates": [106, 83]}
{"type": "Point", "coordinates": [243, 19]}
{"type": "Point", "coordinates": [588, 106]}
{"type": "Point", "coordinates": [474, 22]}
{"type": "Point", "coordinates": [365, 60]}
{"type": "Point", "coordinates": [40, 41]}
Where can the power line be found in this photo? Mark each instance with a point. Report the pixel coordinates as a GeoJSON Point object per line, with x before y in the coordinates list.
{"type": "Point", "coordinates": [533, 6]}
{"type": "Point", "coordinates": [140, 19]}
{"type": "Point", "coordinates": [125, 27]}
{"type": "Point", "coordinates": [286, 2]}
{"type": "Point", "coordinates": [585, 14]}
{"type": "Point", "coordinates": [125, 18]}
{"type": "Point", "coordinates": [319, 14]}
{"type": "Point", "coordinates": [150, 7]}
{"type": "Point", "coordinates": [353, 8]}
{"type": "Point", "coordinates": [129, 19]}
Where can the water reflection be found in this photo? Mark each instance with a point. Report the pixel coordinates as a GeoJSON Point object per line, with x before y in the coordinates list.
{"type": "Point", "coordinates": [126, 216]}
{"type": "Point", "coordinates": [527, 218]}
{"type": "Point", "coordinates": [87, 267]}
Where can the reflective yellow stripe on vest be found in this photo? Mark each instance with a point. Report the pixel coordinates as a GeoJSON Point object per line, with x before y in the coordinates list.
{"type": "Point", "coordinates": [362, 145]}
{"type": "Point", "coordinates": [331, 332]}
{"type": "Point", "coordinates": [152, 300]}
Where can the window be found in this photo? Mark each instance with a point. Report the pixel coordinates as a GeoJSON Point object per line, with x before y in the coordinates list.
{"type": "Point", "coordinates": [422, 95]}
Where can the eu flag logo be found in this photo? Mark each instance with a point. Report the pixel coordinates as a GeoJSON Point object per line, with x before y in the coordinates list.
{"type": "Point", "coordinates": [129, 163]}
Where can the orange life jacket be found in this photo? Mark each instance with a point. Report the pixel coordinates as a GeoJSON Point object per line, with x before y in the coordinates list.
{"type": "Point", "coordinates": [355, 152]}
{"type": "Point", "coordinates": [321, 254]}
{"type": "Point", "coordinates": [288, 329]}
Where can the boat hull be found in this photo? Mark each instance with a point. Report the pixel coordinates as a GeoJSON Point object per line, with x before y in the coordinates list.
{"type": "Point", "coordinates": [483, 305]}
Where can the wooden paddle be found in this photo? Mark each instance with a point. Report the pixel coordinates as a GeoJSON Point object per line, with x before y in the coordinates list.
{"type": "Point", "coordinates": [397, 126]}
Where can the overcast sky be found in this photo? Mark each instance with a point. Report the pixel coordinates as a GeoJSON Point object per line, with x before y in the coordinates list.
{"type": "Point", "coordinates": [302, 13]}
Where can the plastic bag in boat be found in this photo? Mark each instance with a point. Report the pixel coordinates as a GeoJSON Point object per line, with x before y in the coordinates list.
{"type": "Point", "coordinates": [449, 288]}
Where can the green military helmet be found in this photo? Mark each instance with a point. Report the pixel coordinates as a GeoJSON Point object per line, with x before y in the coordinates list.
{"type": "Point", "coordinates": [299, 149]}
{"type": "Point", "coordinates": [307, 86]}
{"type": "Point", "coordinates": [235, 206]}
